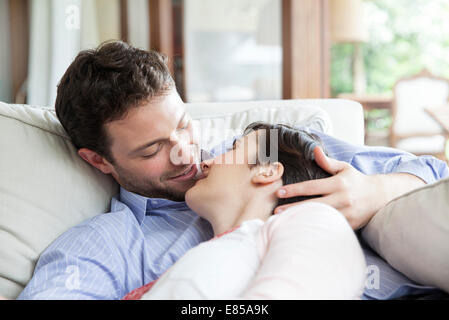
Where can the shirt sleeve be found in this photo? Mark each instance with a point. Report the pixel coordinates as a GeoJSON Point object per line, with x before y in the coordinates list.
{"type": "Point", "coordinates": [383, 160]}
{"type": "Point", "coordinates": [76, 266]}
{"type": "Point", "coordinates": [371, 159]}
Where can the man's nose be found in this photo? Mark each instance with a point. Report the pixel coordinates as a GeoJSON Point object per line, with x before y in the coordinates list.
{"type": "Point", "coordinates": [182, 151]}
{"type": "Point", "coordinates": [181, 137]}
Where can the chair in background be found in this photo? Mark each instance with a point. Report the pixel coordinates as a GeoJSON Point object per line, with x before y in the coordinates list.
{"type": "Point", "coordinates": [413, 130]}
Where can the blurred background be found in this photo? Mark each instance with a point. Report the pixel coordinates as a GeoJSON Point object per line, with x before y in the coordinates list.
{"type": "Point", "coordinates": [391, 56]}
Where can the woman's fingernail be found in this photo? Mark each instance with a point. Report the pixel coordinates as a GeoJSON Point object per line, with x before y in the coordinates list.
{"type": "Point", "coordinates": [278, 211]}
{"type": "Point", "coordinates": [282, 193]}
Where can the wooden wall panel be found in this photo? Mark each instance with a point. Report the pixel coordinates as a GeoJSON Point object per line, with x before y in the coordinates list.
{"type": "Point", "coordinates": [124, 20]}
{"type": "Point", "coordinates": [161, 28]}
{"type": "Point", "coordinates": [19, 38]}
{"type": "Point", "coordinates": [306, 48]}
{"type": "Point", "coordinates": [178, 47]}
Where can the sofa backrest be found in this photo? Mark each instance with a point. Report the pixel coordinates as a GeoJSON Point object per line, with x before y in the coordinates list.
{"type": "Point", "coordinates": [346, 116]}
{"type": "Point", "coordinates": [46, 188]}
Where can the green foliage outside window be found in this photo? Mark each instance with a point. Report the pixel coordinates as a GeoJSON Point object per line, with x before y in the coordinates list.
{"type": "Point", "coordinates": [405, 37]}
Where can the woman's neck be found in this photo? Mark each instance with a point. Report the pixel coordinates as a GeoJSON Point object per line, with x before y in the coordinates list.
{"type": "Point", "coordinates": [227, 216]}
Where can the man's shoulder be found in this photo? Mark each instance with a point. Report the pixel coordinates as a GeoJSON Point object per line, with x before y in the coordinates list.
{"type": "Point", "coordinates": [114, 227]}
{"type": "Point", "coordinates": [120, 216]}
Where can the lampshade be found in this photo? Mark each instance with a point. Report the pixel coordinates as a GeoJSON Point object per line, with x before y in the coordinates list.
{"type": "Point", "coordinates": [347, 21]}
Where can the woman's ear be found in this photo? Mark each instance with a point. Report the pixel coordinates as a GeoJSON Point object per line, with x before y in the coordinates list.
{"type": "Point", "coordinates": [268, 173]}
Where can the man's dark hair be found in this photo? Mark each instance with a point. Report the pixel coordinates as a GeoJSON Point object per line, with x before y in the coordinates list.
{"type": "Point", "coordinates": [101, 85]}
{"type": "Point", "coordinates": [294, 151]}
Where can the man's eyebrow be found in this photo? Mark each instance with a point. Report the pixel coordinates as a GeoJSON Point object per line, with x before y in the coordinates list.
{"type": "Point", "coordinates": [149, 144]}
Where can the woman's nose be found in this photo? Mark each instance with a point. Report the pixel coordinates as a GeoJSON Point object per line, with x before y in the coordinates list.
{"type": "Point", "coordinates": [205, 165]}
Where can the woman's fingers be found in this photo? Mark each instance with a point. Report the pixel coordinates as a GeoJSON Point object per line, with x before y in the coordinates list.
{"type": "Point", "coordinates": [336, 201]}
{"type": "Point", "coordinates": [329, 165]}
{"type": "Point", "coordinates": [311, 187]}
{"type": "Point", "coordinates": [339, 191]}
{"type": "Point", "coordinates": [335, 184]}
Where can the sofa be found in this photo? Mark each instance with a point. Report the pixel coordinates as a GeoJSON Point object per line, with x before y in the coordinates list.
{"type": "Point", "coordinates": [46, 188]}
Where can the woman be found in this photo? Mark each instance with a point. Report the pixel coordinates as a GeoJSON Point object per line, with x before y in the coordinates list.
{"type": "Point", "coordinates": [308, 251]}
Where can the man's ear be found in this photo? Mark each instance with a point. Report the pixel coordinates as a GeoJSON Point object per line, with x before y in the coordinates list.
{"type": "Point", "coordinates": [268, 173]}
{"type": "Point", "coordinates": [95, 160]}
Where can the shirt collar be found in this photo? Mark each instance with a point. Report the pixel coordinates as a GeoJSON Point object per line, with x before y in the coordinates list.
{"type": "Point", "coordinates": [141, 206]}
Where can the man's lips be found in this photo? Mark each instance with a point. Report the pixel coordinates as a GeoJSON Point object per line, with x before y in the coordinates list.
{"type": "Point", "coordinates": [188, 174]}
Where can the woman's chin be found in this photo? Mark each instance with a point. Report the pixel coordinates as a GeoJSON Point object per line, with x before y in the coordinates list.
{"type": "Point", "coordinates": [199, 201]}
{"type": "Point", "coordinates": [192, 198]}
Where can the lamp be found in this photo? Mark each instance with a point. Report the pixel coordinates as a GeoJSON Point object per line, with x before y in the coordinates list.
{"type": "Point", "coordinates": [347, 26]}
{"type": "Point", "coordinates": [347, 21]}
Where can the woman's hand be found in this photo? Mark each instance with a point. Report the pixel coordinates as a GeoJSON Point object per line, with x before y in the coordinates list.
{"type": "Point", "coordinates": [356, 195]}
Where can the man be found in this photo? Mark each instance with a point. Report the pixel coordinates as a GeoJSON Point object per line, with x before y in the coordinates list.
{"type": "Point", "coordinates": [121, 109]}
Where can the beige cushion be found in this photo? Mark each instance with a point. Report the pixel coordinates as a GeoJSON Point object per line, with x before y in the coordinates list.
{"type": "Point", "coordinates": [46, 188]}
{"type": "Point", "coordinates": [422, 145]}
{"type": "Point", "coordinates": [412, 234]}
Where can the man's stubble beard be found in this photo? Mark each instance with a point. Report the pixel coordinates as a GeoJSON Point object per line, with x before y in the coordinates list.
{"type": "Point", "coordinates": [147, 188]}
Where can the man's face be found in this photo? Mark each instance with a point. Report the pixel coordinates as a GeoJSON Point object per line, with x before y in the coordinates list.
{"type": "Point", "coordinates": [154, 149]}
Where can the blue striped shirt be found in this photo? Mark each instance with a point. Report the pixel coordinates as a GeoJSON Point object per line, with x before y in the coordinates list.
{"type": "Point", "coordinates": [112, 254]}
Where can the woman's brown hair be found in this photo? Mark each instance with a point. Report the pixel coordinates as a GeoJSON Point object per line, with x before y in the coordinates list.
{"type": "Point", "coordinates": [295, 152]}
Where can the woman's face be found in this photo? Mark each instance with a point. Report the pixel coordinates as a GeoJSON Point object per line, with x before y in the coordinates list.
{"type": "Point", "coordinates": [227, 177]}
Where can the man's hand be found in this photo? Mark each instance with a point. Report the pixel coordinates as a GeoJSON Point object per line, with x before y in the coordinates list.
{"type": "Point", "coordinates": [356, 195]}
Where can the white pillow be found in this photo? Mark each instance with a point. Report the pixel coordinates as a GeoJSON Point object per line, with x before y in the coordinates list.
{"type": "Point", "coordinates": [220, 127]}
{"type": "Point", "coordinates": [412, 234]}
{"type": "Point", "coordinates": [46, 188]}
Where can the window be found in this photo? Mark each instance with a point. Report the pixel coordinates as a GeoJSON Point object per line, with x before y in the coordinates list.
{"type": "Point", "coordinates": [233, 50]}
